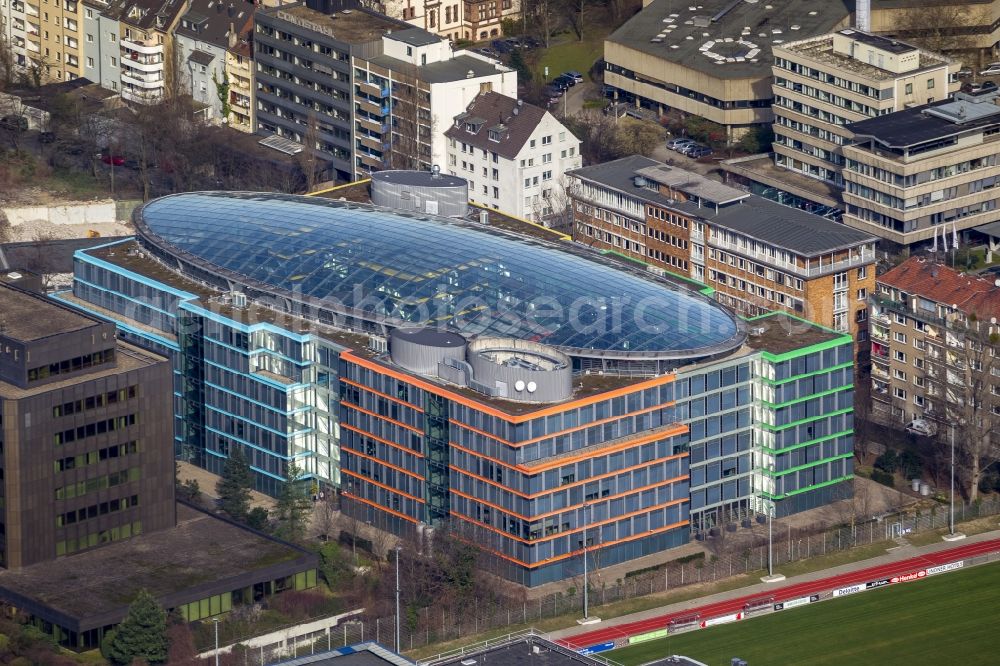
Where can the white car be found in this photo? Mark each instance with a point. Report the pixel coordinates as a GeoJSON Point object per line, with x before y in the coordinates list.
{"type": "Point", "coordinates": [992, 69]}
{"type": "Point", "coordinates": [921, 427]}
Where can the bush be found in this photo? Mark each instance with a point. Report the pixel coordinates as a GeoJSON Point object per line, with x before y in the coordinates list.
{"type": "Point", "coordinates": [911, 465]}
{"type": "Point", "coordinates": [887, 462]}
{"type": "Point", "coordinates": [298, 605]}
{"type": "Point", "coordinates": [884, 478]}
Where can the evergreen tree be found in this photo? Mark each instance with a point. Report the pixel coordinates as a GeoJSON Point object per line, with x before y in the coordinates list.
{"type": "Point", "coordinates": [292, 508]}
{"type": "Point", "coordinates": [142, 634]}
{"type": "Point", "coordinates": [234, 486]}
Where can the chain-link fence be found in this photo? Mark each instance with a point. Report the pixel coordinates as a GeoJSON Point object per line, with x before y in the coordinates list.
{"type": "Point", "coordinates": [727, 555]}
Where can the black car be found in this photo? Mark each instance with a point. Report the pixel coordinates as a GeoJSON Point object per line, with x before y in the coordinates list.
{"type": "Point", "coordinates": [501, 46]}
{"type": "Point", "coordinates": [565, 80]}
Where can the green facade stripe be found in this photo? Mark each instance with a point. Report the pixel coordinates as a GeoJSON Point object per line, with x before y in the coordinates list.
{"type": "Point", "coordinates": [811, 396]}
{"type": "Point", "coordinates": [832, 368]}
{"type": "Point", "coordinates": [807, 465]}
{"type": "Point", "coordinates": [800, 445]}
{"type": "Point", "coordinates": [808, 420]}
{"type": "Point", "coordinates": [806, 489]}
{"type": "Point", "coordinates": [841, 339]}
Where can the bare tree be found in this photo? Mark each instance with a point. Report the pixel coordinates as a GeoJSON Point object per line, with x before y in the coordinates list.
{"type": "Point", "coordinates": [326, 515]}
{"type": "Point", "coordinates": [939, 26]}
{"type": "Point", "coordinates": [307, 158]}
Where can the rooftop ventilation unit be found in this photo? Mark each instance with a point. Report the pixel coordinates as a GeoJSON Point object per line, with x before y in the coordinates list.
{"type": "Point", "coordinates": [239, 299]}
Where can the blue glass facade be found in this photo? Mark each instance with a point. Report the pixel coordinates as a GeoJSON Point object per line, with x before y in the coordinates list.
{"type": "Point", "coordinates": [631, 466]}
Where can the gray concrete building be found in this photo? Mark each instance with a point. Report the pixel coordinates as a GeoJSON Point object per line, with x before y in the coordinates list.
{"type": "Point", "coordinates": [101, 50]}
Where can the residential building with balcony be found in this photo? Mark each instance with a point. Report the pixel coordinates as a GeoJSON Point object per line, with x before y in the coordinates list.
{"type": "Point", "coordinates": [101, 51]}
{"type": "Point", "coordinates": [514, 155]}
{"type": "Point", "coordinates": [754, 254]}
{"type": "Point", "coordinates": [45, 40]}
{"type": "Point", "coordinates": [206, 33]}
{"type": "Point", "coordinates": [490, 407]}
{"type": "Point", "coordinates": [922, 171]}
{"type": "Point", "coordinates": [933, 334]}
{"type": "Point", "coordinates": [145, 41]}
{"type": "Point", "coordinates": [14, 29]}
{"type": "Point", "coordinates": [239, 74]}
{"type": "Point", "coordinates": [823, 83]}
{"type": "Point", "coordinates": [377, 90]}
{"type": "Point", "coordinates": [711, 59]}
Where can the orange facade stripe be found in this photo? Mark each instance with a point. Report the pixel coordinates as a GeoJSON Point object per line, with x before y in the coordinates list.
{"type": "Point", "coordinates": [378, 506]}
{"type": "Point", "coordinates": [571, 507]}
{"type": "Point", "coordinates": [564, 556]}
{"type": "Point", "coordinates": [394, 445]}
{"type": "Point", "coordinates": [379, 416]}
{"type": "Point", "coordinates": [568, 485]}
{"type": "Point", "coordinates": [510, 418]}
{"type": "Point", "coordinates": [574, 531]}
{"type": "Point", "coordinates": [677, 429]}
{"type": "Point", "coordinates": [382, 462]}
{"type": "Point", "coordinates": [381, 485]}
{"type": "Point", "coordinates": [380, 394]}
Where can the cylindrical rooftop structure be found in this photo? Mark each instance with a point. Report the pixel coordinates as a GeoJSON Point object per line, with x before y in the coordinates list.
{"type": "Point", "coordinates": [426, 192]}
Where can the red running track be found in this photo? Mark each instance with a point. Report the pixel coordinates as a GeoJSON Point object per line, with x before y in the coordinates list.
{"type": "Point", "coordinates": [785, 593]}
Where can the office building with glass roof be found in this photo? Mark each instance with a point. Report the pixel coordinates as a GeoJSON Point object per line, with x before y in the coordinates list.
{"type": "Point", "coordinates": [439, 372]}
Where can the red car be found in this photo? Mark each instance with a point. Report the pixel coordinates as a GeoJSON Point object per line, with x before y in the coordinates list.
{"type": "Point", "coordinates": [116, 160]}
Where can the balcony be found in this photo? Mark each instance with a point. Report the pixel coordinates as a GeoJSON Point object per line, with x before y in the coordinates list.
{"type": "Point", "coordinates": [147, 82]}
{"type": "Point", "coordinates": [371, 125]}
{"type": "Point", "coordinates": [879, 333]}
{"type": "Point", "coordinates": [880, 373]}
{"type": "Point", "coordinates": [373, 143]}
{"type": "Point", "coordinates": [370, 161]}
{"type": "Point", "coordinates": [140, 96]}
{"type": "Point", "coordinates": [30, 9]}
{"type": "Point", "coordinates": [373, 89]}
{"type": "Point", "coordinates": [147, 47]}
{"type": "Point", "coordinates": [371, 107]}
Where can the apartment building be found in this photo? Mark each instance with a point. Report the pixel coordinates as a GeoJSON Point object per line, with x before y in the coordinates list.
{"type": "Point", "coordinates": [916, 172]}
{"type": "Point", "coordinates": [823, 83]}
{"type": "Point", "coordinates": [933, 346]}
{"type": "Point", "coordinates": [754, 254]}
{"type": "Point", "coordinates": [710, 59]}
{"type": "Point", "coordinates": [44, 38]}
{"type": "Point", "coordinates": [85, 433]}
{"type": "Point", "coordinates": [409, 90]}
{"type": "Point", "coordinates": [101, 50]}
{"type": "Point", "coordinates": [144, 41]}
{"type": "Point", "coordinates": [205, 35]}
{"type": "Point", "coordinates": [514, 155]}
{"type": "Point", "coordinates": [516, 425]}
{"type": "Point", "coordinates": [455, 21]}
{"type": "Point", "coordinates": [239, 77]}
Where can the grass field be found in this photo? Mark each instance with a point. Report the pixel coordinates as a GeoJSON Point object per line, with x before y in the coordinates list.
{"type": "Point", "coordinates": [951, 618]}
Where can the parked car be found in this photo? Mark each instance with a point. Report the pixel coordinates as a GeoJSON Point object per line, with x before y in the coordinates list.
{"type": "Point", "coordinates": [678, 142]}
{"type": "Point", "coordinates": [114, 160]}
{"type": "Point", "coordinates": [690, 148]}
{"type": "Point", "coordinates": [699, 151]}
{"type": "Point", "coordinates": [963, 73]}
{"type": "Point", "coordinates": [576, 76]}
{"type": "Point", "coordinates": [501, 46]}
{"type": "Point", "coordinates": [564, 81]}
{"type": "Point", "coordinates": [992, 69]}
{"type": "Point", "coordinates": [921, 427]}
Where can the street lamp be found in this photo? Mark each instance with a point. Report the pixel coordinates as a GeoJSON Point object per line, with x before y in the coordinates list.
{"type": "Point", "coordinates": [586, 583]}
{"type": "Point", "coordinates": [771, 577]}
{"type": "Point", "coordinates": [952, 535]}
{"type": "Point", "coordinates": [397, 599]}
{"type": "Point", "coordinates": [215, 621]}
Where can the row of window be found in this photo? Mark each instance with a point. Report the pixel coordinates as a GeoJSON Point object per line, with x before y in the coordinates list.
{"type": "Point", "coordinates": [95, 510]}
{"type": "Point", "coordinates": [125, 531]}
{"type": "Point", "coordinates": [72, 365]}
{"type": "Point", "coordinates": [99, 483]}
{"type": "Point", "coordinates": [94, 457]}
{"type": "Point", "coordinates": [92, 429]}
{"type": "Point", "coordinates": [94, 401]}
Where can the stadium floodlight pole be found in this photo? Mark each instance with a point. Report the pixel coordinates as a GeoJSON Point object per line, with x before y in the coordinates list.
{"type": "Point", "coordinates": [397, 599]}
{"type": "Point", "coordinates": [770, 545]}
{"type": "Point", "coordinates": [215, 621]}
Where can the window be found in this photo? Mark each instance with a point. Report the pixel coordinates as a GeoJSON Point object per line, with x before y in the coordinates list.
{"type": "Point", "coordinates": [899, 393]}
{"type": "Point", "coordinates": [112, 37]}
{"type": "Point", "coordinates": [862, 294]}
{"type": "Point", "coordinates": [840, 281]}
{"type": "Point", "coordinates": [546, 175]}
{"type": "Point", "coordinates": [114, 62]}
{"type": "Point", "coordinates": [909, 89]}
{"type": "Point", "coordinates": [90, 39]}
{"type": "Point", "coordinates": [930, 84]}
{"type": "Point", "coordinates": [899, 374]}
{"type": "Point", "coordinates": [546, 140]}
{"type": "Point", "coordinates": [899, 337]}
{"type": "Point", "coordinates": [840, 321]}
{"type": "Point", "coordinates": [918, 400]}
{"type": "Point", "coordinates": [546, 158]}
{"type": "Point", "coordinates": [532, 143]}
{"type": "Point", "coordinates": [90, 62]}
{"type": "Point", "coordinates": [862, 272]}
{"type": "Point", "coordinates": [899, 356]}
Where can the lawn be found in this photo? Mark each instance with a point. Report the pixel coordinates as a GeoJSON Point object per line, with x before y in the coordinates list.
{"type": "Point", "coordinates": [948, 618]}
{"type": "Point", "coordinates": [567, 53]}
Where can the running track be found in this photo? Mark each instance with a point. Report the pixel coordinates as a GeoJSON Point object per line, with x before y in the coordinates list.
{"type": "Point", "coordinates": [786, 593]}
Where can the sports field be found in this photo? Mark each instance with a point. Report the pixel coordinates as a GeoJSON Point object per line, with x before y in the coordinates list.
{"type": "Point", "coordinates": [946, 619]}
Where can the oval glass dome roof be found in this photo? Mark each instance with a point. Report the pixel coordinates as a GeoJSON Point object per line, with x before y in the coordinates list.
{"type": "Point", "coordinates": [404, 269]}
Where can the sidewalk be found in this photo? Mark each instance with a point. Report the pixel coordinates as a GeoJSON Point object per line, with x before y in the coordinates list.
{"type": "Point", "coordinates": [206, 484]}
{"type": "Point", "coordinates": [894, 555]}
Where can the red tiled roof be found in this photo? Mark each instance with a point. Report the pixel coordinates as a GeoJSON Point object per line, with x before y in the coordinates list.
{"type": "Point", "coordinates": [942, 284]}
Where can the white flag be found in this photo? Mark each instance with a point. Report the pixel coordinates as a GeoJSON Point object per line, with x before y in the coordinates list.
{"type": "Point", "coordinates": [934, 244]}
{"type": "Point", "coordinates": [954, 235]}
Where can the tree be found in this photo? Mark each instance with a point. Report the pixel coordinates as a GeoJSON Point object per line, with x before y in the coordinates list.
{"type": "Point", "coordinates": [636, 137]}
{"type": "Point", "coordinates": [182, 650]}
{"type": "Point", "coordinates": [307, 158]}
{"type": "Point", "coordinates": [234, 486]}
{"type": "Point", "coordinates": [939, 26]}
{"type": "Point", "coordinates": [142, 634]}
{"type": "Point", "coordinates": [293, 506]}
{"type": "Point", "coordinates": [257, 518]}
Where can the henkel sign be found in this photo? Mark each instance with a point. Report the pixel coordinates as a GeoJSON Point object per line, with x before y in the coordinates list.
{"type": "Point", "coordinates": [946, 567]}
{"type": "Point", "coordinates": [853, 589]}
{"type": "Point", "coordinates": [795, 603]}
{"type": "Point", "coordinates": [871, 585]}
{"type": "Point", "coordinates": [722, 620]}
{"type": "Point", "coordinates": [905, 578]}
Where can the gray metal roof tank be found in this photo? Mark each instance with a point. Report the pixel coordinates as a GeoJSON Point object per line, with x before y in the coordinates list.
{"type": "Point", "coordinates": [426, 192]}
